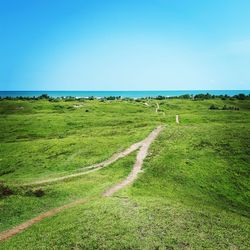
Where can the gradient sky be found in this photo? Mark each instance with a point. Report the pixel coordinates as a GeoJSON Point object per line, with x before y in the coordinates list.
{"type": "Point", "coordinates": [124, 44]}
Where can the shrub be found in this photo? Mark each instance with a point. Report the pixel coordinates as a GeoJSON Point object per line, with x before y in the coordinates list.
{"type": "Point", "coordinates": [5, 190]}
{"type": "Point", "coordinates": [186, 96]}
{"type": "Point", "coordinates": [43, 96]}
{"type": "Point", "coordinates": [213, 107]}
{"type": "Point", "coordinates": [229, 108]}
{"type": "Point", "coordinates": [160, 97]}
{"type": "Point", "coordinates": [37, 192]}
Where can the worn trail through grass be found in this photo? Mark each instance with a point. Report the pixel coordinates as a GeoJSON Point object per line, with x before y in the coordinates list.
{"type": "Point", "coordinates": [143, 145]}
{"type": "Point", "coordinates": [138, 164]}
{"type": "Point", "coordinates": [92, 168]}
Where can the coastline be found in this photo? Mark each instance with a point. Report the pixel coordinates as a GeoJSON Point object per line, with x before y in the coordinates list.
{"type": "Point", "coordinates": [122, 94]}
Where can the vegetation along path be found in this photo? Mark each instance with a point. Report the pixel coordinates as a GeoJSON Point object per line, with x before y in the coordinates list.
{"type": "Point", "coordinates": [143, 145]}
{"type": "Point", "coordinates": [92, 168]}
{"type": "Point", "coordinates": [138, 164]}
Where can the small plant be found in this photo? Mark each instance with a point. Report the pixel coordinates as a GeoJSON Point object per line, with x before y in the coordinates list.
{"type": "Point", "coordinates": [5, 190]}
{"type": "Point", "coordinates": [213, 107]}
{"type": "Point", "coordinates": [225, 107]}
{"type": "Point", "coordinates": [37, 192]}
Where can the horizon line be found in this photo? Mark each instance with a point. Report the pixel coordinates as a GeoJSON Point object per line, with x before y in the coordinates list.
{"type": "Point", "coordinates": [133, 90]}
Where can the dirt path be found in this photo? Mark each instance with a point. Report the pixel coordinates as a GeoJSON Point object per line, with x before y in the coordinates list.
{"type": "Point", "coordinates": [157, 107]}
{"type": "Point", "coordinates": [144, 146]}
{"type": "Point", "coordinates": [11, 232]}
{"type": "Point", "coordinates": [138, 164]}
{"type": "Point", "coordinates": [177, 119]}
{"type": "Point", "coordinates": [92, 168]}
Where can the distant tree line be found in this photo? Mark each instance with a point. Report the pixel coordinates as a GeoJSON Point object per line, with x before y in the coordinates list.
{"type": "Point", "coordinates": [44, 97]}
{"type": "Point", "coordinates": [225, 107]}
{"type": "Point", "coordinates": [160, 97]}
{"type": "Point", "coordinates": [222, 97]}
{"type": "Point", "coordinates": [205, 97]}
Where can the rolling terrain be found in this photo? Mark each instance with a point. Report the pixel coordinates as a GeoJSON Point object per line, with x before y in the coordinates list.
{"type": "Point", "coordinates": [192, 192]}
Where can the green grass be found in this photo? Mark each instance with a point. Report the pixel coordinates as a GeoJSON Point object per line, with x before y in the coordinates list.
{"type": "Point", "coordinates": [45, 142]}
{"type": "Point", "coordinates": [205, 164]}
{"type": "Point", "coordinates": [120, 223]}
{"type": "Point", "coordinates": [24, 205]}
{"type": "Point", "coordinates": [193, 193]}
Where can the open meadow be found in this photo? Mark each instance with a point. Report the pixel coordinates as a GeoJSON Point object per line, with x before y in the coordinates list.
{"type": "Point", "coordinates": [192, 193]}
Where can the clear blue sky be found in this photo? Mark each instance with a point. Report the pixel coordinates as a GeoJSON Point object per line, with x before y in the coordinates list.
{"type": "Point", "coordinates": [124, 44]}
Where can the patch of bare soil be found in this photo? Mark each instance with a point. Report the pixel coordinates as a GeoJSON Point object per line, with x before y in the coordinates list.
{"type": "Point", "coordinates": [138, 164]}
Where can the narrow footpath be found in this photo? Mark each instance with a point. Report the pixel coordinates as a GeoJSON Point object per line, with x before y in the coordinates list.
{"type": "Point", "coordinates": [144, 146]}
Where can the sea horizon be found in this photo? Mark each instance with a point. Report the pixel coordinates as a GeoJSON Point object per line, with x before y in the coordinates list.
{"type": "Point", "coordinates": [122, 93]}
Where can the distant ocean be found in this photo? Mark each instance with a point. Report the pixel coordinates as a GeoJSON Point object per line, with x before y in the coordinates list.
{"type": "Point", "coordinates": [132, 94]}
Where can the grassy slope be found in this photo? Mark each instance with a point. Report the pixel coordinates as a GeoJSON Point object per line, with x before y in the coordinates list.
{"type": "Point", "coordinates": [193, 193]}
{"type": "Point", "coordinates": [42, 140]}
{"type": "Point", "coordinates": [24, 204]}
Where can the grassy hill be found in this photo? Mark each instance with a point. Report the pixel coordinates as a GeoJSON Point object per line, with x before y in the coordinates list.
{"type": "Point", "coordinates": [193, 192]}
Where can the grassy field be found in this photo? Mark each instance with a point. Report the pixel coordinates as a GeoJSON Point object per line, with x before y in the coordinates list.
{"type": "Point", "coordinates": [193, 192]}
